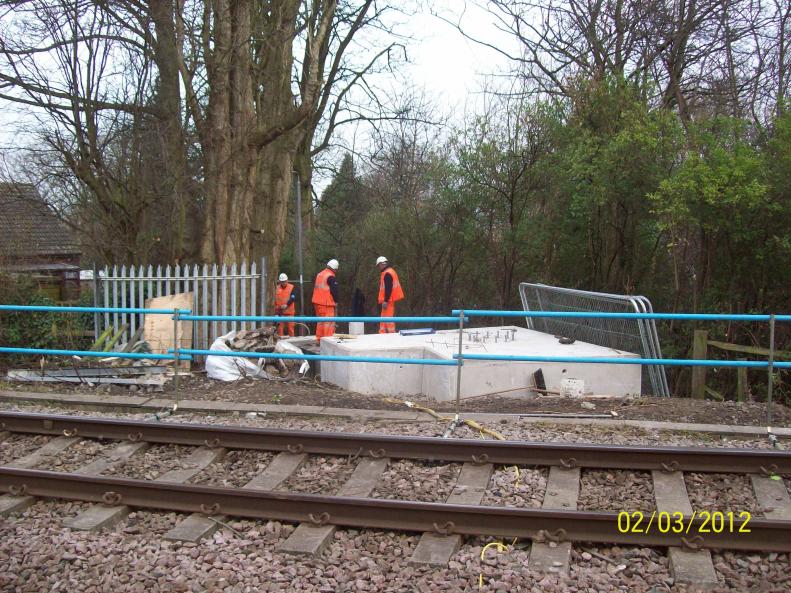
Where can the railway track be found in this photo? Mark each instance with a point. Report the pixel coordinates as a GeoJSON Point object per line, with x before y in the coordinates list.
{"type": "Point", "coordinates": [553, 528]}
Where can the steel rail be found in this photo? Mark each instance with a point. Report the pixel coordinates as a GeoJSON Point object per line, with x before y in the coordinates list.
{"type": "Point", "coordinates": [699, 459]}
{"type": "Point", "coordinates": [546, 524]}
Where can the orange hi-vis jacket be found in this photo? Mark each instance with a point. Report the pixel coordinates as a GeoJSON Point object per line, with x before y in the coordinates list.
{"type": "Point", "coordinates": [397, 293]}
{"type": "Point", "coordinates": [321, 289]}
{"type": "Point", "coordinates": [282, 296]}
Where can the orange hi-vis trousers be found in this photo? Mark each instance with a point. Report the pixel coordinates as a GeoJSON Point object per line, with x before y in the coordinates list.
{"type": "Point", "coordinates": [387, 327]}
{"type": "Point", "coordinates": [324, 330]}
{"type": "Point", "coordinates": [281, 326]}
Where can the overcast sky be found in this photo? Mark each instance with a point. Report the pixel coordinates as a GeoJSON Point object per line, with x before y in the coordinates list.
{"type": "Point", "coordinates": [451, 67]}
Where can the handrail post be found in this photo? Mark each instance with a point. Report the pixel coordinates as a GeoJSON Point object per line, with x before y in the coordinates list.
{"type": "Point", "coordinates": [770, 378]}
{"type": "Point", "coordinates": [177, 356]}
{"type": "Point", "coordinates": [459, 363]}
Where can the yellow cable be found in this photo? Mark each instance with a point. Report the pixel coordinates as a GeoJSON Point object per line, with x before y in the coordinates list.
{"type": "Point", "coordinates": [501, 547]}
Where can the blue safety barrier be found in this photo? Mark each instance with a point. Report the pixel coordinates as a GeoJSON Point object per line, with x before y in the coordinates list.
{"type": "Point", "coordinates": [459, 315]}
{"type": "Point", "coordinates": [760, 364]}
{"type": "Point", "coordinates": [90, 353]}
{"type": "Point", "coordinates": [598, 315]}
{"type": "Point", "coordinates": [91, 309]}
{"type": "Point", "coordinates": [315, 319]}
{"type": "Point", "coordinates": [426, 361]}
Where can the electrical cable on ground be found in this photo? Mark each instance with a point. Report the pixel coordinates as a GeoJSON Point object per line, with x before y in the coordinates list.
{"type": "Point", "coordinates": [471, 423]}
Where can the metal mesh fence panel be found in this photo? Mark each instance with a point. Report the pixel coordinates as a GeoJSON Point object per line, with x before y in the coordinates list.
{"type": "Point", "coordinates": [632, 335]}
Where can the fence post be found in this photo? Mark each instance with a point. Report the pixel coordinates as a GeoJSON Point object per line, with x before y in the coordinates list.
{"type": "Point", "coordinates": [459, 364]}
{"type": "Point", "coordinates": [96, 321]}
{"type": "Point", "coordinates": [741, 383]}
{"type": "Point", "coordinates": [699, 348]}
{"type": "Point", "coordinates": [770, 378]}
{"type": "Point", "coordinates": [263, 286]}
{"type": "Point", "coordinates": [177, 360]}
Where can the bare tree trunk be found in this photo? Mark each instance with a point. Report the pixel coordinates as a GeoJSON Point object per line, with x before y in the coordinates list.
{"type": "Point", "coordinates": [173, 186]}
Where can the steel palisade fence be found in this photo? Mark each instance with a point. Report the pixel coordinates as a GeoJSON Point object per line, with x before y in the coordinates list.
{"type": "Point", "coordinates": [228, 290]}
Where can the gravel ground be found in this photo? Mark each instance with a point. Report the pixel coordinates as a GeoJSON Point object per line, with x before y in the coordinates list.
{"type": "Point", "coordinates": [721, 492]}
{"type": "Point", "coordinates": [616, 491]}
{"type": "Point", "coordinates": [320, 475]}
{"type": "Point", "coordinates": [770, 572]}
{"type": "Point", "coordinates": [420, 481]}
{"type": "Point", "coordinates": [151, 463]}
{"type": "Point", "coordinates": [38, 554]}
{"type": "Point", "coordinates": [18, 445]}
{"type": "Point", "coordinates": [132, 558]}
{"type": "Point", "coordinates": [235, 469]}
{"type": "Point", "coordinates": [523, 488]}
{"type": "Point", "coordinates": [314, 393]}
{"type": "Point", "coordinates": [514, 430]}
{"type": "Point", "coordinates": [74, 457]}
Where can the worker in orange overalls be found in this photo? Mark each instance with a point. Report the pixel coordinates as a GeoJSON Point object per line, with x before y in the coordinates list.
{"type": "Point", "coordinates": [325, 298]}
{"type": "Point", "coordinates": [389, 292]}
{"type": "Point", "coordinates": [285, 304]}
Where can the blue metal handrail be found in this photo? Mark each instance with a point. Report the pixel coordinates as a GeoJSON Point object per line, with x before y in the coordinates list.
{"type": "Point", "coordinates": [600, 315]}
{"type": "Point", "coordinates": [459, 316]}
{"type": "Point", "coordinates": [55, 309]}
{"type": "Point", "coordinates": [316, 319]}
{"type": "Point", "coordinates": [92, 353]}
{"type": "Point", "coordinates": [758, 364]}
{"type": "Point", "coordinates": [327, 357]}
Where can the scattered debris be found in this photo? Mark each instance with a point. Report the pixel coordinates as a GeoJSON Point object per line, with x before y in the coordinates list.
{"type": "Point", "coordinates": [588, 405]}
{"type": "Point", "coordinates": [131, 375]}
{"type": "Point", "coordinates": [418, 331]}
{"type": "Point", "coordinates": [265, 339]}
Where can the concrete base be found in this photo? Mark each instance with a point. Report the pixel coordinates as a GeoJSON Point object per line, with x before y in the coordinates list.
{"type": "Point", "coordinates": [478, 377]}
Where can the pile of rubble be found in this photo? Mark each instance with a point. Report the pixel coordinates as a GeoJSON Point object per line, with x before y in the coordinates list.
{"type": "Point", "coordinates": [265, 340]}
{"type": "Point", "coordinates": [262, 339]}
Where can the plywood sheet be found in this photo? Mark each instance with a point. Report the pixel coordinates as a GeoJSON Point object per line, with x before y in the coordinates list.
{"type": "Point", "coordinates": [158, 329]}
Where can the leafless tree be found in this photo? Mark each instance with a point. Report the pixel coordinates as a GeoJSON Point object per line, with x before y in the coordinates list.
{"type": "Point", "coordinates": [231, 97]}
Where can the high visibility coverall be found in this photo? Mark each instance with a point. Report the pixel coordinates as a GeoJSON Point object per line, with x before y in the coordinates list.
{"type": "Point", "coordinates": [324, 302]}
{"type": "Point", "coordinates": [284, 295]}
{"type": "Point", "coordinates": [390, 291]}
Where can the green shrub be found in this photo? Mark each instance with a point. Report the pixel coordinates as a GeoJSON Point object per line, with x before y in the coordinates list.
{"type": "Point", "coordinates": [26, 329]}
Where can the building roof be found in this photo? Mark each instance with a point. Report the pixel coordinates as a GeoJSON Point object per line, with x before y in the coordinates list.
{"type": "Point", "coordinates": [28, 229]}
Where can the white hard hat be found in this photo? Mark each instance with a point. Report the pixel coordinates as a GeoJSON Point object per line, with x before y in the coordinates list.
{"type": "Point", "coordinates": [332, 264]}
{"type": "Point", "coordinates": [282, 278]}
{"type": "Point", "coordinates": [381, 260]}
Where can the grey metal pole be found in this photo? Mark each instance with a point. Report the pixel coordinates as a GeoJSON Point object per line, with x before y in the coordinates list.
{"type": "Point", "coordinates": [264, 280]}
{"type": "Point", "coordinates": [298, 219]}
{"type": "Point", "coordinates": [177, 360]}
{"type": "Point", "coordinates": [459, 364]}
{"type": "Point", "coordinates": [96, 316]}
{"type": "Point", "coordinates": [770, 385]}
